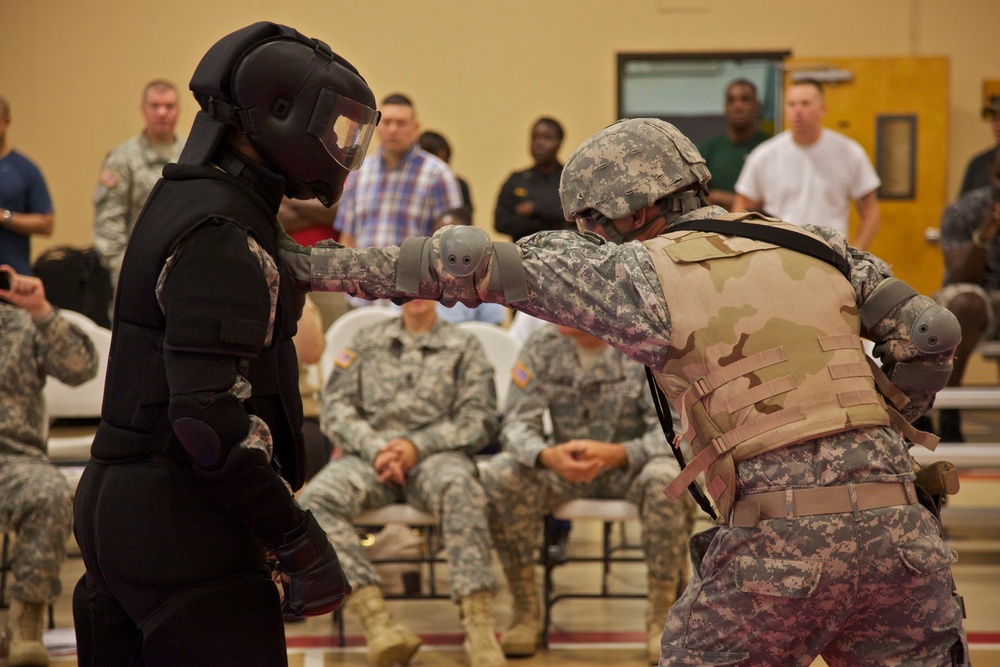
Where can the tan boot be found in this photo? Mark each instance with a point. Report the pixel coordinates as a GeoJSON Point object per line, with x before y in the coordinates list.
{"type": "Point", "coordinates": [480, 632]}
{"type": "Point", "coordinates": [388, 641]}
{"type": "Point", "coordinates": [521, 638]}
{"type": "Point", "coordinates": [24, 634]}
{"type": "Point", "coordinates": [662, 595]}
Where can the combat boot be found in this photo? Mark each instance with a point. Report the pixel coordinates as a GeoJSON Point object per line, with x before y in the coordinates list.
{"type": "Point", "coordinates": [662, 595]}
{"type": "Point", "coordinates": [480, 633]}
{"type": "Point", "coordinates": [388, 641]}
{"type": "Point", "coordinates": [521, 638]}
{"type": "Point", "coordinates": [24, 635]}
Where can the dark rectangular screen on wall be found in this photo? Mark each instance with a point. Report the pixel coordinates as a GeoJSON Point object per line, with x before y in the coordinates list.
{"type": "Point", "coordinates": [688, 89]}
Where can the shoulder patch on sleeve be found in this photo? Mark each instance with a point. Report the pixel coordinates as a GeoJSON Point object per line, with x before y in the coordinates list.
{"type": "Point", "coordinates": [520, 375]}
{"type": "Point", "coordinates": [109, 178]}
{"type": "Point", "coordinates": [345, 358]}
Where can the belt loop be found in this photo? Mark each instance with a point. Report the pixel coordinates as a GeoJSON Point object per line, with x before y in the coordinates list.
{"type": "Point", "coordinates": [911, 493]}
{"type": "Point", "coordinates": [789, 506]}
{"type": "Point", "coordinates": [853, 493]}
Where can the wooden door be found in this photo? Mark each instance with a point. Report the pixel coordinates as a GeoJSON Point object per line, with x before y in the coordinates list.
{"type": "Point", "coordinates": [895, 90]}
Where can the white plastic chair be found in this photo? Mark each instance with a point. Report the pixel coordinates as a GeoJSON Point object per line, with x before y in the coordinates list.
{"type": "Point", "coordinates": [501, 349]}
{"type": "Point", "coordinates": [342, 332]}
{"type": "Point", "coordinates": [85, 400]}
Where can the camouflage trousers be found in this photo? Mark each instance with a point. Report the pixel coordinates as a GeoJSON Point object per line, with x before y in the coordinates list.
{"type": "Point", "coordinates": [444, 484]}
{"type": "Point", "coordinates": [38, 507]}
{"type": "Point", "coordinates": [521, 496]}
{"type": "Point", "coordinates": [872, 590]}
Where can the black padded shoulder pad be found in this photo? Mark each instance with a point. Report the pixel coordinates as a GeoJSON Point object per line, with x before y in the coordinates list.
{"type": "Point", "coordinates": [215, 297]}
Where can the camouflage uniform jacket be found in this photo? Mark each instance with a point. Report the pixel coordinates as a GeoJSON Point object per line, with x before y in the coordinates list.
{"type": "Point", "coordinates": [128, 174]}
{"type": "Point", "coordinates": [609, 402]}
{"type": "Point", "coordinates": [435, 390]}
{"type": "Point", "coordinates": [30, 352]}
{"type": "Point", "coordinates": [613, 292]}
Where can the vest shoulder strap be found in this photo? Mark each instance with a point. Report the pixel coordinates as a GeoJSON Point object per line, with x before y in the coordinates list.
{"type": "Point", "coordinates": [733, 225]}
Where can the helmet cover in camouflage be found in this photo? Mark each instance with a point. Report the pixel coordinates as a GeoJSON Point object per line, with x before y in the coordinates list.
{"type": "Point", "coordinates": [628, 166]}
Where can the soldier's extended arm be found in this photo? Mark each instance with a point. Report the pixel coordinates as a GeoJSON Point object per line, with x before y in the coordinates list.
{"type": "Point", "coordinates": [610, 291]}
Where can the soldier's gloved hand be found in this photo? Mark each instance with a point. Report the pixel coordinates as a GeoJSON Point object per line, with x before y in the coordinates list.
{"type": "Point", "coordinates": [311, 576]}
{"type": "Point", "coordinates": [296, 258]}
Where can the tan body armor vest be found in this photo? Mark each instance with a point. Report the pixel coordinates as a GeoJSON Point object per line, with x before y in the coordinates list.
{"type": "Point", "coordinates": [765, 351]}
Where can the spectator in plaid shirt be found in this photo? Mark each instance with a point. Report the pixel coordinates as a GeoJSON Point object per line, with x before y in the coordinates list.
{"type": "Point", "coordinates": [398, 192]}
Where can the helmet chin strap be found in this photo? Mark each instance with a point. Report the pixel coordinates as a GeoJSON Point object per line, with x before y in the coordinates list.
{"type": "Point", "coordinates": [672, 208]}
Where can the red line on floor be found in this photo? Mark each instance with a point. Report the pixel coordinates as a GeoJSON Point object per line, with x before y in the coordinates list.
{"type": "Point", "coordinates": [455, 639]}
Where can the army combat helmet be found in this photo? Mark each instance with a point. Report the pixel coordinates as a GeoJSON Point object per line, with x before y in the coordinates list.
{"type": "Point", "coordinates": [305, 109]}
{"type": "Point", "coordinates": [628, 166]}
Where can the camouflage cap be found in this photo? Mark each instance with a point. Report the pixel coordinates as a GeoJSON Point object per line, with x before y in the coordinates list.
{"type": "Point", "coordinates": [629, 165]}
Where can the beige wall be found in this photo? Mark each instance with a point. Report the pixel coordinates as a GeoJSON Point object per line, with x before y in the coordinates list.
{"type": "Point", "coordinates": [479, 70]}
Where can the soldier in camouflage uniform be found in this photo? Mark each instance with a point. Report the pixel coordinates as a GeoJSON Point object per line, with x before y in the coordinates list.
{"type": "Point", "coordinates": [822, 547]}
{"type": "Point", "coordinates": [37, 504]}
{"type": "Point", "coordinates": [131, 169]}
{"type": "Point", "coordinates": [409, 403]}
{"type": "Point", "coordinates": [606, 442]}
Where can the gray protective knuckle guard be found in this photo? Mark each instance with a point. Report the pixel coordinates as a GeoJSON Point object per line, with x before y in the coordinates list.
{"type": "Point", "coordinates": [935, 330]}
{"type": "Point", "coordinates": [463, 249]}
{"type": "Point", "coordinates": [200, 442]}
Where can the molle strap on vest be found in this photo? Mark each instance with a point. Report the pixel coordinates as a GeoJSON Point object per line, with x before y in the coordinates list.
{"type": "Point", "coordinates": [706, 384]}
{"type": "Point", "coordinates": [898, 401]}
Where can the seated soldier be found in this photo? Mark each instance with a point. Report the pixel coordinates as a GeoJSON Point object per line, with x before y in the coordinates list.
{"type": "Point", "coordinates": [37, 502]}
{"type": "Point", "coordinates": [971, 248]}
{"type": "Point", "coordinates": [606, 443]}
{"type": "Point", "coordinates": [408, 404]}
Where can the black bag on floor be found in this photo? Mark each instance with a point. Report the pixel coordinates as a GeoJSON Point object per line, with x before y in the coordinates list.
{"type": "Point", "coordinates": [75, 279]}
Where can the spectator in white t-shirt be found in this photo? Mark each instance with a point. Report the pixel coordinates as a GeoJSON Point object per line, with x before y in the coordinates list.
{"type": "Point", "coordinates": [810, 174]}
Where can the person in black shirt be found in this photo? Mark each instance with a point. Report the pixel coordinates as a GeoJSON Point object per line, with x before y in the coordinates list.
{"type": "Point", "coordinates": [977, 174]}
{"type": "Point", "coordinates": [529, 199]}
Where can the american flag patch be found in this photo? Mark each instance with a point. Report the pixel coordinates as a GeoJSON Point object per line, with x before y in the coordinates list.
{"type": "Point", "coordinates": [520, 375]}
{"type": "Point", "coordinates": [345, 358]}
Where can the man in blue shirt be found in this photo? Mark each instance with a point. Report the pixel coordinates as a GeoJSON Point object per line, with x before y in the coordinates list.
{"type": "Point", "coordinates": [25, 205]}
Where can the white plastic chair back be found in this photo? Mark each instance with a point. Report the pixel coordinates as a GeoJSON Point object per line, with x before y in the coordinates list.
{"type": "Point", "coordinates": [85, 400]}
{"type": "Point", "coordinates": [344, 328]}
{"type": "Point", "coordinates": [501, 349]}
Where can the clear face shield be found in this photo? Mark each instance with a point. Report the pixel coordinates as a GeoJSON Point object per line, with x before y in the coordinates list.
{"type": "Point", "coordinates": [344, 127]}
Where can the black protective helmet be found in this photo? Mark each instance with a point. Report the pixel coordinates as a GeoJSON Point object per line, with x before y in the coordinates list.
{"type": "Point", "coordinates": [305, 109]}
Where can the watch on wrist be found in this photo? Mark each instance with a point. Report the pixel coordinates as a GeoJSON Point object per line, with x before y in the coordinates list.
{"type": "Point", "coordinates": [7, 214]}
{"type": "Point", "coordinates": [978, 240]}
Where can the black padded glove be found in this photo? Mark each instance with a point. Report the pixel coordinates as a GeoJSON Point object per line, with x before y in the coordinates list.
{"type": "Point", "coordinates": [317, 583]}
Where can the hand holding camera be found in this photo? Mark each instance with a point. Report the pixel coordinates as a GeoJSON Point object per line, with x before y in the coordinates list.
{"type": "Point", "coordinates": [24, 291]}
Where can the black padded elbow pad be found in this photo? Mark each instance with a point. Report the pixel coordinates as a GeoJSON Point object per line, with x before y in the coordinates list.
{"type": "Point", "coordinates": [208, 429]}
